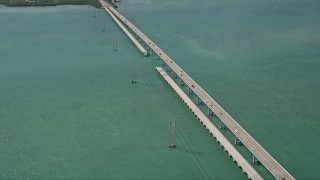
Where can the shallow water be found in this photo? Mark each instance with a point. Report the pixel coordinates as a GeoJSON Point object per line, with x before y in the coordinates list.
{"type": "Point", "coordinates": [259, 60]}
{"type": "Point", "coordinates": [69, 110]}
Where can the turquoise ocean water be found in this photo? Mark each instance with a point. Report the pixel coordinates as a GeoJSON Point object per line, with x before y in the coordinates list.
{"type": "Point", "coordinates": [68, 109]}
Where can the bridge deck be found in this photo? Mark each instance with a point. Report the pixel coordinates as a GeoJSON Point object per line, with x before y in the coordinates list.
{"type": "Point", "coordinates": [259, 152]}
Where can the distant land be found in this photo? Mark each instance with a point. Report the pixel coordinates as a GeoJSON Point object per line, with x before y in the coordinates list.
{"type": "Point", "coordinates": [94, 3]}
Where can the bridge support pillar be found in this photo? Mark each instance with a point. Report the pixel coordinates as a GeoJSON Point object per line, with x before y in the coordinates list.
{"type": "Point", "coordinates": [162, 63]}
{"type": "Point", "coordinates": [181, 82]}
{"type": "Point", "coordinates": [222, 125]}
{"type": "Point", "coordinates": [168, 69]}
{"type": "Point", "coordinates": [175, 76]}
{"type": "Point", "coordinates": [255, 160]}
{"type": "Point", "coordinates": [210, 113]}
{"type": "Point", "coordinates": [190, 92]}
{"type": "Point", "coordinates": [199, 101]}
{"type": "Point", "coordinates": [237, 141]}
